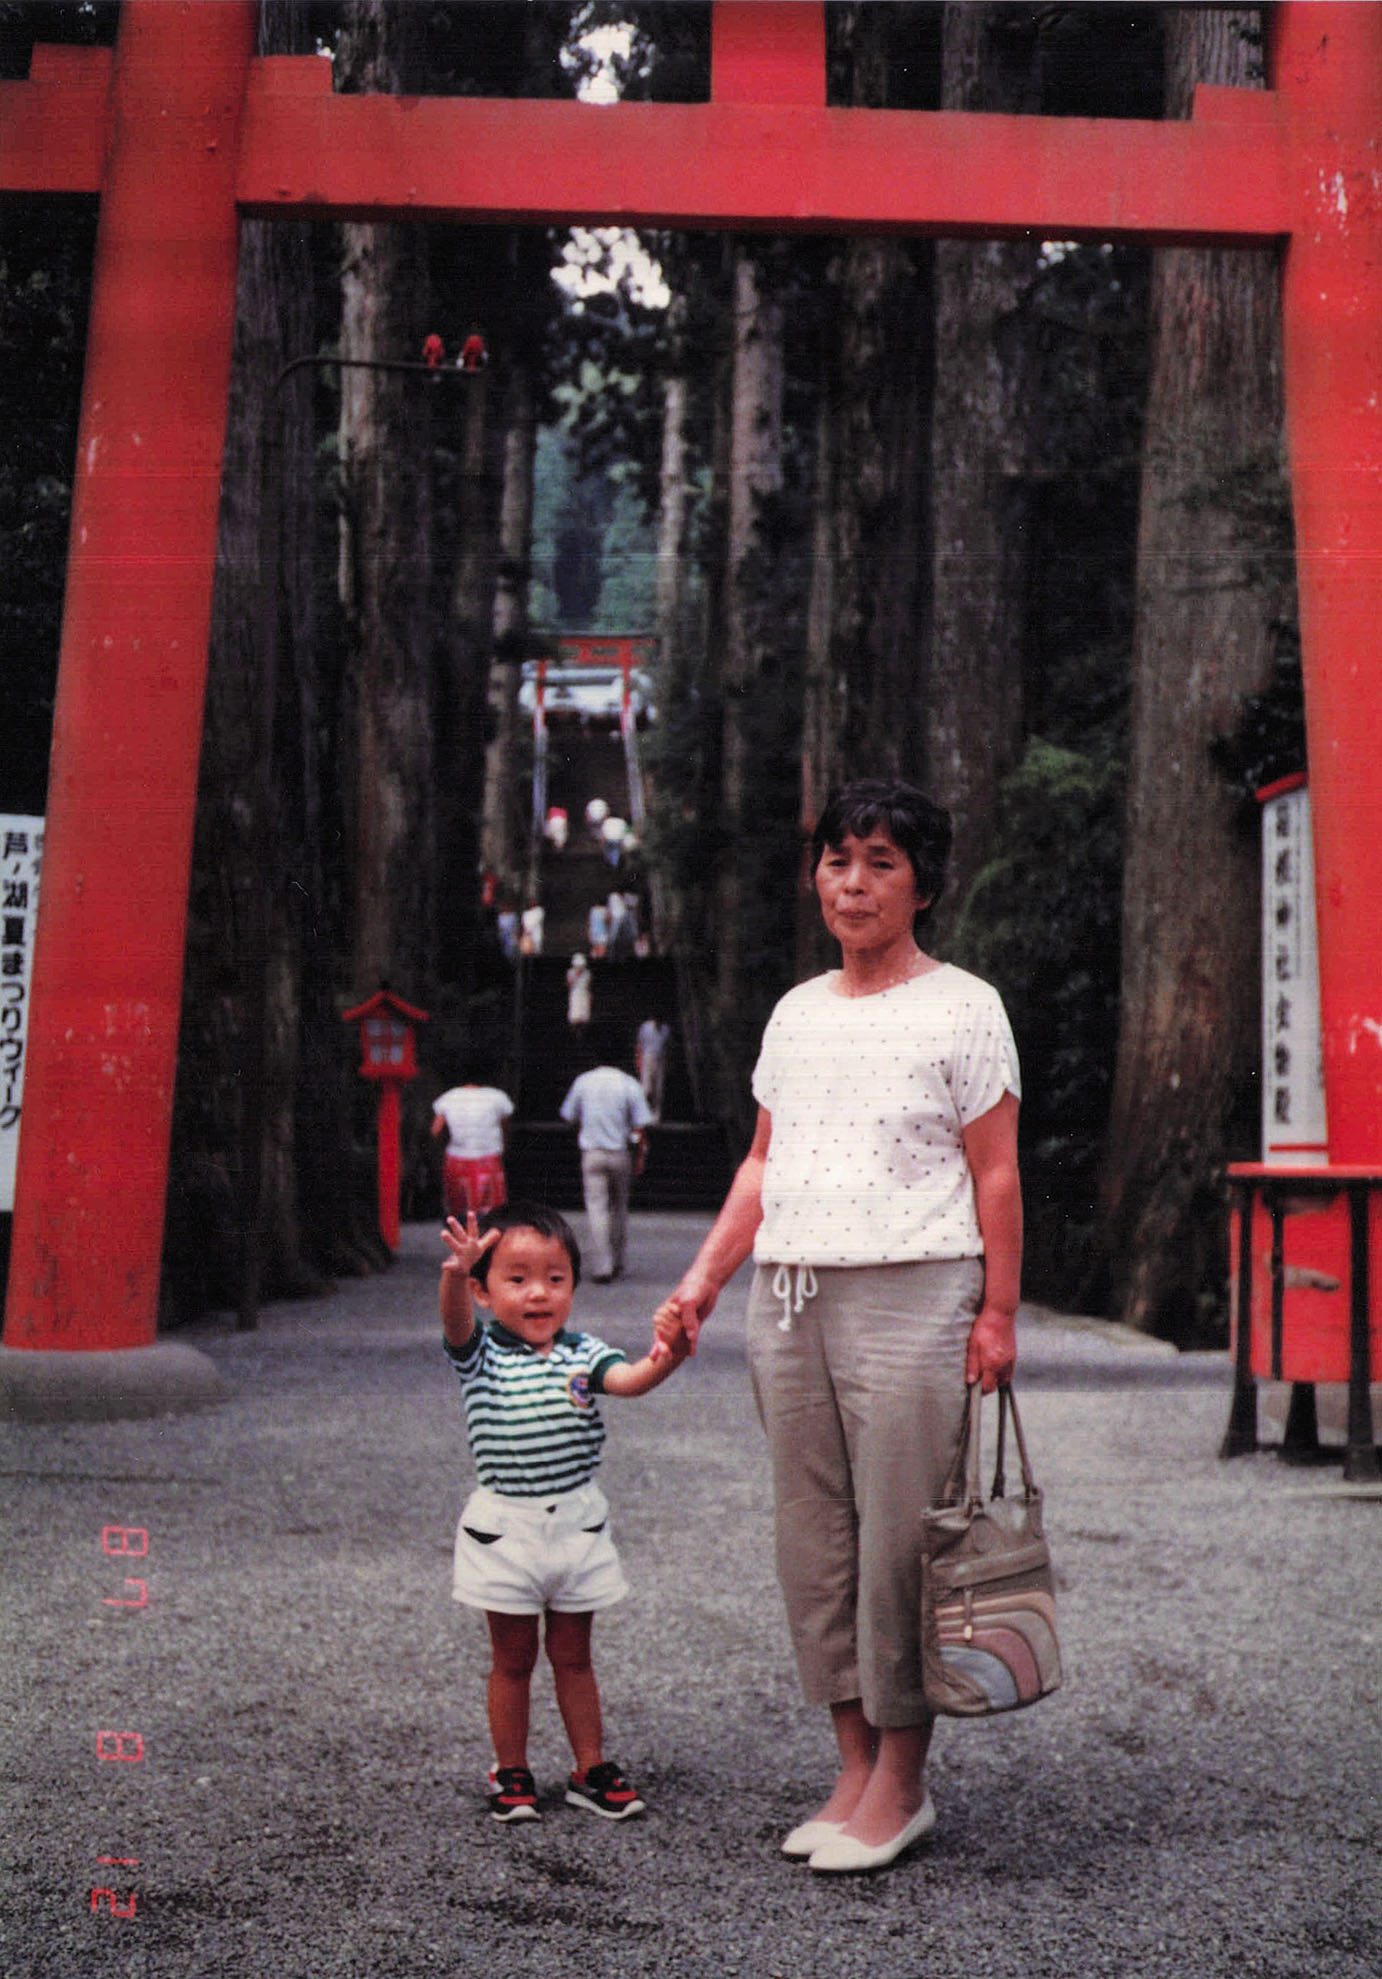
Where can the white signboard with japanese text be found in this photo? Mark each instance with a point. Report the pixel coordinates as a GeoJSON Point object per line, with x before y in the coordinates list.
{"type": "Point", "coordinates": [1293, 1116]}
{"type": "Point", "coordinates": [21, 855]}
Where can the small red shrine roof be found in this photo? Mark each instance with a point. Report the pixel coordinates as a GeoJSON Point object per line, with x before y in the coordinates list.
{"type": "Point", "coordinates": [384, 1003]}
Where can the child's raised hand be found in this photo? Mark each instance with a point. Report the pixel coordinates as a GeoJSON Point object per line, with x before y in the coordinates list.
{"type": "Point", "coordinates": [465, 1243]}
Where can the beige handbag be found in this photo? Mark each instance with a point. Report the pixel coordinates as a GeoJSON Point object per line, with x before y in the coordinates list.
{"type": "Point", "coordinates": [988, 1617]}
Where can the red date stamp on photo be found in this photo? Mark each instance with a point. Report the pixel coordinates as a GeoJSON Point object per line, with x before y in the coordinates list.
{"type": "Point", "coordinates": [121, 1747]}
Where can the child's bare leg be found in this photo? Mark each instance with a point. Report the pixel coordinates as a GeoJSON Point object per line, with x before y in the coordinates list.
{"type": "Point", "coordinates": [513, 1645]}
{"type": "Point", "coordinates": [578, 1694]}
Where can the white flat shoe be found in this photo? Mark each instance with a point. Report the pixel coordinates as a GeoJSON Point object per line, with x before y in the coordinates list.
{"type": "Point", "coordinates": [842, 1852]}
{"type": "Point", "coordinates": [807, 1838]}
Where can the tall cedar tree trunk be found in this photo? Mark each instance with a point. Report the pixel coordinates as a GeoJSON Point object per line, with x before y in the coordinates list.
{"type": "Point", "coordinates": [504, 831]}
{"type": "Point", "coordinates": [822, 719]}
{"type": "Point", "coordinates": [869, 588]}
{"type": "Point", "coordinates": [385, 447]}
{"type": "Point", "coordinates": [750, 633]}
{"type": "Point", "coordinates": [675, 494]}
{"type": "Point", "coordinates": [468, 650]}
{"type": "Point", "coordinates": [670, 608]}
{"type": "Point", "coordinates": [980, 491]}
{"type": "Point", "coordinates": [1204, 637]}
{"type": "Point", "coordinates": [501, 282]}
{"type": "Point", "coordinates": [249, 1135]}
{"type": "Point", "coordinates": [686, 778]}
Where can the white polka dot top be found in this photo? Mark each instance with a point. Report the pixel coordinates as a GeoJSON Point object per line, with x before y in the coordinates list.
{"type": "Point", "coordinates": [869, 1097]}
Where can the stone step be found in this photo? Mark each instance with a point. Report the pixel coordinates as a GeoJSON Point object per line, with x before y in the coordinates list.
{"type": "Point", "coordinates": [688, 1166]}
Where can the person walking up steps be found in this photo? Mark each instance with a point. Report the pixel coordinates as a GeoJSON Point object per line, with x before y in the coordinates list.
{"type": "Point", "coordinates": [651, 1051]}
{"type": "Point", "coordinates": [475, 1119]}
{"type": "Point", "coordinates": [533, 1547]}
{"type": "Point", "coordinates": [578, 987]}
{"type": "Point", "coordinates": [607, 1108]}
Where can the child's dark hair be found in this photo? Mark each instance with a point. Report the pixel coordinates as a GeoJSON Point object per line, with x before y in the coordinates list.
{"type": "Point", "coordinates": [528, 1216]}
{"type": "Point", "coordinates": [916, 826]}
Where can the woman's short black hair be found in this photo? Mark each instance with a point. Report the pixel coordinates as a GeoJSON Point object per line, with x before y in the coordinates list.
{"type": "Point", "coordinates": [916, 826]}
{"type": "Point", "coordinates": [528, 1216]}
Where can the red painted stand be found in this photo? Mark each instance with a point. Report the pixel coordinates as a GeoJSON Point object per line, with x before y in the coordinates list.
{"type": "Point", "coordinates": [191, 129]}
{"type": "Point", "coordinates": [388, 1057]}
{"type": "Point", "coordinates": [1306, 1274]}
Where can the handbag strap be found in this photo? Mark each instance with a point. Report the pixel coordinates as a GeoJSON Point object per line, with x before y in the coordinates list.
{"type": "Point", "coordinates": [999, 1486]}
{"type": "Point", "coordinates": [965, 1467]}
{"type": "Point", "coordinates": [1029, 1483]}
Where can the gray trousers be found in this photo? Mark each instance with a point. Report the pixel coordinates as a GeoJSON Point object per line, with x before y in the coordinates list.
{"type": "Point", "coordinates": [862, 1396]}
{"type": "Point", "coordinates": [606, 1175]}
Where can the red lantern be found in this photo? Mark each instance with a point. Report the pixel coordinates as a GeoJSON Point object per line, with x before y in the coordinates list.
{"type": "Point", "coordinates": [388, 1055]}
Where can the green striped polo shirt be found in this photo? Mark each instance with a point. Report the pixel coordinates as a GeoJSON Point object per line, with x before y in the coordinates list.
{"type": "Point", "coordinates": [532, 1419]}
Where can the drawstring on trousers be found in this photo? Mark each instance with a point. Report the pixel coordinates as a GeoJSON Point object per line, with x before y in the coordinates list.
{"type": "Point", "coordinates": [793, 1297]}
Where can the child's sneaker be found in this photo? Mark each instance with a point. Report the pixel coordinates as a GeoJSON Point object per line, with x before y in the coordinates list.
{"type": "Point", "coordinates": [512, 1794]}
{"type": "Point", "coordinates": [604, 1790]}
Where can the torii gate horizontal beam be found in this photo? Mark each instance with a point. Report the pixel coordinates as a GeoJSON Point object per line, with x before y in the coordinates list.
{"type": "Point", "coordinates": [1217, 179]}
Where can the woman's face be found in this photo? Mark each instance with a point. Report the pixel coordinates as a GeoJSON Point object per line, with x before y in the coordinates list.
{"type": "Point", "coordinates": [868, 891]}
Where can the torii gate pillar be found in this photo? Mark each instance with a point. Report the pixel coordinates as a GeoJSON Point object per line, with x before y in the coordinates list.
{"type": "Point", "coordinates": [108, 963]}
{"type": "Point", "coordinates": [1328, 80]}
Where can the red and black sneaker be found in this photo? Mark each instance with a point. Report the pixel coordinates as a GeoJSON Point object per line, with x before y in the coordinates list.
{"type": "Point", "coordinates": [512, 1794]}
{"type": "Point", "coordinates": [604, 1790]}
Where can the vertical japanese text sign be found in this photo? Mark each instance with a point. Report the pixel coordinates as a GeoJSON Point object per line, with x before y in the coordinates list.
{"type": "Point", "coordinates": [21, 854]}
{"type": "Point", "coordinates": [1293, 1116]}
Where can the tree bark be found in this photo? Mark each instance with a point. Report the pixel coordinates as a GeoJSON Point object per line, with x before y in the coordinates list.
{"type": "Point", "coordinates": [504, 832]}
{"type": "Point", "coordinates": [670, 606]}
{"type": "Point", "coordinates": [823, 687]}
{"type": "Point", "coordinates": [868, 616]}
{"type": "Point", "coordinates": [981, 439]}
{"type": "Point", "coordinates": [468, 660]}
{"type": "Point", "coordinates": [675, 494]}
{"type": "Point", "coordinates": [755, 479]}
{"type": "Point", "coordinates": [256, 996]}
{"type": "Point", "coordinates": [385, 554]}
{"type": "Point", "coordinates": [1209, 594]}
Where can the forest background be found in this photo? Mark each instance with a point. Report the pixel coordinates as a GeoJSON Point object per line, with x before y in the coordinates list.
{"type": "Point", "coordinates": [1009, 519]}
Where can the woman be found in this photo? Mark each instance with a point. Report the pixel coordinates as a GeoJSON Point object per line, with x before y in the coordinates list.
{"type": "Point", "coordinates": [881, 1200]}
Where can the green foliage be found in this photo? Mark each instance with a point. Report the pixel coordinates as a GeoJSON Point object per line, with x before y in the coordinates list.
{"type": "Point", "coordinates": [1041, 922]}
{"type": "Point", "coordinates": [594, 555]}
{"type": "Point", "coordinates": [628, 565]}
{"type": "Point", "coordinates": [668, 60]}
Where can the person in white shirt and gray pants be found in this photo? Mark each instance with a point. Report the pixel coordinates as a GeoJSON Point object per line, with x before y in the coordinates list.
{"type": "Point", "coordinates": [611, 1117]}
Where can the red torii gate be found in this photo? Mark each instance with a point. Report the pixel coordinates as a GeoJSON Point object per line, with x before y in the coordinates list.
{"type": "Point", "coordinates": [184, 130]}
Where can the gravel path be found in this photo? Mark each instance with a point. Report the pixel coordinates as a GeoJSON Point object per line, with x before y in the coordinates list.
{"type": "Point", "coordinates": [1203, 1798]}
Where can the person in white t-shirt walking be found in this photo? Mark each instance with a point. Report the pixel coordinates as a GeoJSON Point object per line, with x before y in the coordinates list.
{"type": "Point", "coordinates": [880, 1198]}
{"type": "Point", "coordinates": [611, 1117]}
{"type": "Point", "coordinates": [651, 1053]}
{"type": "Point", "coordinates": [475, 1119]}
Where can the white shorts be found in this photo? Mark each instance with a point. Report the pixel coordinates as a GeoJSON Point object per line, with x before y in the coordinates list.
{"type": "Point", "coordinates": [521, 1556]}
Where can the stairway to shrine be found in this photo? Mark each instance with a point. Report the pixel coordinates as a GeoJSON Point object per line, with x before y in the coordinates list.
{"type": "Point", "coordinates": [688, 1165]}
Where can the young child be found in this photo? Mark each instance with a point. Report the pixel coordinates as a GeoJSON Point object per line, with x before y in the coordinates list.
{"type": "Point", "coordinates": [533, 1545]}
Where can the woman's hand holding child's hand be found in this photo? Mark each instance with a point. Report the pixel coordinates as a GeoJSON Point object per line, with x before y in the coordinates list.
{"type": "Point", "coordinates": [670, 1340]}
